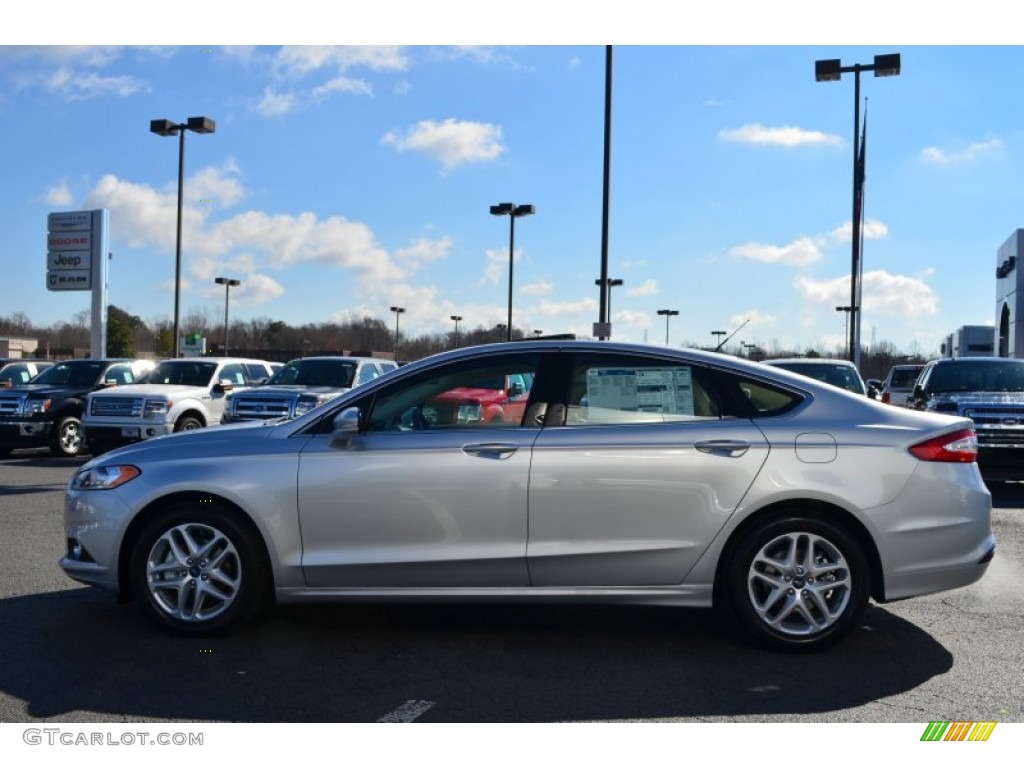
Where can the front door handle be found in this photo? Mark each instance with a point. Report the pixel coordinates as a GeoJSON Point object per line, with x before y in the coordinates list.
{"type": "Point", "coordinates": [732, 448]}
{"type": "Point", "coordinates": [490, 450]}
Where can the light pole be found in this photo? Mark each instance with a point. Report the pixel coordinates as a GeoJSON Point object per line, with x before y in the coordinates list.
{"type": "Point", "coordinates": [305, 347]}
{"type": "Point", "coordinates": [611, 283]}
{"type": "Point", "coordinates": [513, 212]}
{"type": "Point", "coordinates": [668, 313]}
{"type": "Point", "coordinates": [846, 326]}
{"type": "Point", "coordinates": [398, 311]}
{"type": "Point", "coordinates": [750, 350]}
{"type": "Point", "coordinates": [826, 70]}
{"type": "Point", "coordinates": [169, 128]}
{"type": "Point", "coordinates": [718, 335]}
{"type": "Point", "coordinates": [456, 318]}
{"type": "Point", "coordinates": [538, 332]}
{"type": "Point", "coordinates": [228, 284]}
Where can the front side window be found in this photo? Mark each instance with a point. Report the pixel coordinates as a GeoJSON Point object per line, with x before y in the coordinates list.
{"type": "Point", "coordinates": [483, 393]}
{"type": "Point", "coordinates": [234, 373]}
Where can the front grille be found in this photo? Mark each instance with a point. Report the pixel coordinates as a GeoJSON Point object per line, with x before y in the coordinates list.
{"type": "Point", "coordinates": [10, 406]}
{"type": "Point", "coordinates": [251, 409]}
{"type": "Point", "coordinates": [116, 406]}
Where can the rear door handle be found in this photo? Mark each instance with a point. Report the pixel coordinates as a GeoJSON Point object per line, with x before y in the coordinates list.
{"type": "Point", "coordinates": [490, 450]}
{"type": "Point", "coordinates": [732, 448]}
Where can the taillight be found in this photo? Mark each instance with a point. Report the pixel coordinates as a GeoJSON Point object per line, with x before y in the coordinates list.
{"type": "Point", "coordinates": [959, 447]}
{"type": "Point", "coordinates": [886, 397]}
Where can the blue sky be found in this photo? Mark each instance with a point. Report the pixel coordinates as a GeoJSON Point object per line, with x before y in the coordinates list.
{"type": "Point", "coordinates": [342, 180]}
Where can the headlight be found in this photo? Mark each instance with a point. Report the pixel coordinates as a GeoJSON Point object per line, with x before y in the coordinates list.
{"type": "Point", "coordinates": [305, 405]}
{"type": "Point", "coordinates": [104, 478]}
{"type": "Point", "coordinates": [37, 406]}
{"type": "Point", "coordinates": [156, 407]}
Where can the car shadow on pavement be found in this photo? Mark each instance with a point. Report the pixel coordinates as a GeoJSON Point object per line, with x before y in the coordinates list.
{"type": "Point", "coordinates": [1007, 494]}
{"type": "Point", "coordinates": [76, 655]}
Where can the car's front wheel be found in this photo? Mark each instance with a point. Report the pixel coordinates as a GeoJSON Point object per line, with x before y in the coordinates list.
{"type": "Point", "coordinates": [798, 583]}
{"type": "Point", "coordinates": [67, 439]}
{"type": "Point", "coordinates": [199, 570]}
{"type": "Point", "coordinates": [187, 423]}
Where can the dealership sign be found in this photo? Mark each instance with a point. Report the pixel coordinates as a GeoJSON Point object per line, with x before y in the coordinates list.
{"type": "Point", "coordinates": [73, 246]}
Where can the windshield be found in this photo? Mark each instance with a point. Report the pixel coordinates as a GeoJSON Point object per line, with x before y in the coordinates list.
{"type": "Point", "coordinates": [842, 376]}
{"type": "Point", "coordinates": [977, 376]}
{"type": "Point", "coordinates": [189, 373]}
{"type": "Point", "coordinates": [73, 373]}
{"type": "Point", "coordinates": [316, 373]}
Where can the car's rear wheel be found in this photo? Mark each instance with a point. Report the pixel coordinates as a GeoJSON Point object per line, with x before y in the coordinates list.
{"type": "Point", "coordinates": [198, 570]}
{"type": "Point", "coordinates": [68, 439]}
{"type": "Point", "coordinates": [798, 583]}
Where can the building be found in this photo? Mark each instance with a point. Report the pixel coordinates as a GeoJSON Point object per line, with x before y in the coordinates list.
{"type": "Point", "coordinates": [15, 348]}
{"type": "Point", "coordinates": [970, 341]}
{"type": "Point", "coordinates": [1010, 297]}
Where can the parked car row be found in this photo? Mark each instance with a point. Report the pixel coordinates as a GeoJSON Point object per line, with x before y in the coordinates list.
{"type": "Point", "coordinates": [95, 405]}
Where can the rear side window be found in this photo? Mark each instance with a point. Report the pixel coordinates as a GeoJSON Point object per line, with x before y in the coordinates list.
{"type": "Point", "coordinates": [622, 389]}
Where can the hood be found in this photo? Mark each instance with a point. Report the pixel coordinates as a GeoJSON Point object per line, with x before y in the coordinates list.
{"type": "Point", "coordinates": [42, 390]}
{"type": "Point", "coordinates": [213, 441]}
{"type": "Point", "coordinates": [293, 389]}
{"type": "Point", "coordinates": [154, 390]}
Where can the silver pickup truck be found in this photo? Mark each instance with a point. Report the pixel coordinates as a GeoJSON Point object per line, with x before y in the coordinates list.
{"type": "Point", "coordinates": [302, 385]}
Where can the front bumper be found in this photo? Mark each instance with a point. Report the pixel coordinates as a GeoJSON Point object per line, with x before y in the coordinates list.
{"type": "Point", "coordinates": [25, 433]}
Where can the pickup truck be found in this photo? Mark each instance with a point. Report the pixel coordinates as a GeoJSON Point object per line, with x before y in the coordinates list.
{"type": "Point", "coordinates": [177, 395]}
{"type": "Point", "coordinates": [48, 411]}
{"type": "Point", "coordinates": [498, 399]}
{"type": "Point", "coordinates": [302, 385]}
{"type": "Point", "coordinates": [990, 392]}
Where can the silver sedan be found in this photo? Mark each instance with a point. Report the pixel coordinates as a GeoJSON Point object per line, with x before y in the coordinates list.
{"type": "Point", "coordinates": [610, 472]}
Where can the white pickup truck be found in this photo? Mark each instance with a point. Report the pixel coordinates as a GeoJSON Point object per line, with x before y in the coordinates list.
{"type": "Point", "coordinates": [177, 395]}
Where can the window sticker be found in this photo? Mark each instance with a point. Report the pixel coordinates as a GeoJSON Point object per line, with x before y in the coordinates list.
{"type": "Point", "coordinates": [642, 390]}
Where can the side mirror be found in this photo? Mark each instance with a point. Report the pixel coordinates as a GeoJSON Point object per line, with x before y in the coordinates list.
{"type": "Point", "coordinates": [224, 385]}
{"type": "Point", "coordinates": [108, 383]}
{"type": "Point", "coordinates": [344, 427]}
{"type": "Point", "coordinates": [515, 389]}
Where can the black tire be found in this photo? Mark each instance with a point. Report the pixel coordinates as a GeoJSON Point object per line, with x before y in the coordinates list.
{"type": "Point", "coordinates": [798, 583]}
{"type": "Point", "coordinates": [198, 569]}
{"type": "Point", "coordinates": [68, 438]}
{"type": "Point", "coordinates": [188, 423]}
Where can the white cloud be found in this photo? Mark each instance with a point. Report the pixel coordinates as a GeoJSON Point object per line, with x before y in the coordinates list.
{"type": "Point", "coordinates": [899, 295]}
{"type": "Point", "coordinates": [497, 265]}
{"type": "Point", "coordinates": [646, 288]}
{"type": "Point", "coordinates": [294, 61]}
{"type": "Point", "coordinates": [799, 253]}
{"type": "Point", "coordinates": [753, 319]}
{"type": "Point", "coordinates": [342, 85]}
{"type": "Point", "coordinates": [871, 229]}
{"type": "Point", "coordinates": [786, 136]}
{"type": "Point", "coordinates": [561, 308]}
{"type": "Point", "coordinates": [275, 104]}
{"type": "Point", "coordinates": [539, 288]}
{"type": "Point", "coordinates": [254, 240]}
{"type": "Point", "coordinates": [424, 250]}
{"type": "Point", "coordinates": [59, 194]}
{"type": "Point", "coordinates": [631, 319]}
{"type": "Point", "coordinates": [938, 156]}
{"type": "Point", "coordinates": [79, 86]}
{"type": "Point", "coordinates": [453, 142]}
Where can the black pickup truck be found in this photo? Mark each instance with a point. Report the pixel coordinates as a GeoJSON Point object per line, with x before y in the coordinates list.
{"type": "Point", "coordinates": [48, 412]}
